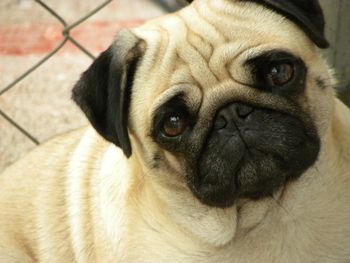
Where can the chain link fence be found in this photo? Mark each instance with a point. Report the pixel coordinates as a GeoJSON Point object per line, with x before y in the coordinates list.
{"type": "Point", "coordinates": [67, 37]}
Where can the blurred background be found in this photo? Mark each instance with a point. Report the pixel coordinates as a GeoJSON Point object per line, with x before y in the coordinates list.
{"type": "Point", "coordinates": [45, 45]}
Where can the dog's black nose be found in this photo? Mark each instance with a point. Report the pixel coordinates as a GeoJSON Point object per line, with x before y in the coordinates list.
{"type": "Point", "coordinates": [231, 115]}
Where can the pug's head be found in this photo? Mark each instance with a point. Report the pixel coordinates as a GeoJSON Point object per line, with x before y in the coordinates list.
{"type": "Point", "coordinates": [229, 98]}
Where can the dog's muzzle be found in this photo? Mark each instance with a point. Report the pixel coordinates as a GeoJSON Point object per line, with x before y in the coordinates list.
{"type": "Point", "coordinates": [251, 152]}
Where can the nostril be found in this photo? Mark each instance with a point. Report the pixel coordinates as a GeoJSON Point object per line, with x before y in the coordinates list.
{"type": "Point", "coordinates": [229, 116]}
{"type": "Point", "coordinates": [243, 111]}
{"type": "Point", "coordinates": [220, 123]}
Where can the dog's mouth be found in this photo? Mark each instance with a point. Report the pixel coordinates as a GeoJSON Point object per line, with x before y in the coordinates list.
{"type": "Point", "coordinates": [252, 156]}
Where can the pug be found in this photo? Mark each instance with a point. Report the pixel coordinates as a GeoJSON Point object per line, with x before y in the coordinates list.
{"type": "Point", "coordinates": [215, 136]}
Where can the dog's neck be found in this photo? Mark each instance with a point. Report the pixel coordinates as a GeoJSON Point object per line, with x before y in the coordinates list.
{"type": "Point", "coordinates": [182, 212]}
{"type": "Point", "coordinates": [173, 209]}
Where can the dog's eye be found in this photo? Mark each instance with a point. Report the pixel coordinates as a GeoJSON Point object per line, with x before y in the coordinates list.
{"type": "Point", "coordinates": [280, 74]}
{"type": "Point", "coordinates": [174, 125]}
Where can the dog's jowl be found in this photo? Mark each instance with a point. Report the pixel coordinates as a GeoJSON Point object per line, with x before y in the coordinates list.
{"type": "Point", "coordinates": [215, 137]}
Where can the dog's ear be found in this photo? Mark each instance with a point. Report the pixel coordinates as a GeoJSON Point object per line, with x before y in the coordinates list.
{"type": "Point", "coordinates": [307, 14]}
{"type": "Point", "coordinates": [103, 91]}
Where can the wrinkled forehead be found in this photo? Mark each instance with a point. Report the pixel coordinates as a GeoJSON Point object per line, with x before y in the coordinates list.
{"type": "Point", "coordinates": [218, 35]}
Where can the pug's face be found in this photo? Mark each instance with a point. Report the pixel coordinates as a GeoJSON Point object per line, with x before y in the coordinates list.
{"type": "Point", "coordinates": [229, 99]}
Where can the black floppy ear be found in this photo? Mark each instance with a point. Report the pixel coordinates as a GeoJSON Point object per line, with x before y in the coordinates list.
{"type": "Point", "coordinates": [307, 14]}
{"type": "Point", "coordinates": [103, 91]}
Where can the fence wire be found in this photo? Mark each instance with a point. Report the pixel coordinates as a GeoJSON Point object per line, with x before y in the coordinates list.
{"type": "Point", "coordinates": [66, 38]}
{"type": "Point", "coordinates": [168, 5]}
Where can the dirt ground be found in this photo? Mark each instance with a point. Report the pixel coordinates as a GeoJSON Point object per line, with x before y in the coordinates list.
{"type": "Point", "coordinates": [41, 102]}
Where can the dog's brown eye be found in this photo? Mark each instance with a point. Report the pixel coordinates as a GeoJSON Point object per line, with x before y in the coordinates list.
{"type": "Point", "coordinates": [174, 125]}
{"type": "Point", "coordinates": [280, 74]}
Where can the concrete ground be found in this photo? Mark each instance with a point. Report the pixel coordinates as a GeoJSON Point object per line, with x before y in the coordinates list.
{"type": "Point", "coordinates": [41, 102]}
